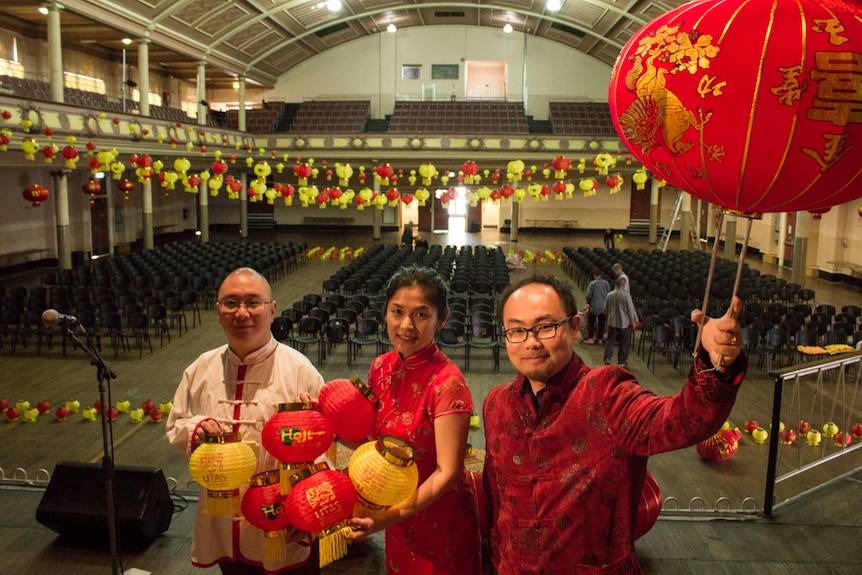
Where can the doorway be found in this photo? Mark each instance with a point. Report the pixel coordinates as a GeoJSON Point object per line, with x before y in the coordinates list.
{"type": "Point", "coordinates": [485, 80]}
{"type": "Point", "coordinates": [99, 232]}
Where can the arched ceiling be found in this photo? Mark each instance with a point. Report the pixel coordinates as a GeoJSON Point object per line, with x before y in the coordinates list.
{"type": "Point", "coordinates": [262, 39]}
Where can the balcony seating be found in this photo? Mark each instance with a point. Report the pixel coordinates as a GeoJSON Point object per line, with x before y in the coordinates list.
{"type": "Point", "coordinates": [491, 117]}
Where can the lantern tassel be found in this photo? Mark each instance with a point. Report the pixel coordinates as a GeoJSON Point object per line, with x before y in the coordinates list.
{"type": "Point", "coordinates": [333, 543]}
{"type": "Point", "coordinates": [223, 503]}
{"type": "Point", "coordinates": [275, 546]}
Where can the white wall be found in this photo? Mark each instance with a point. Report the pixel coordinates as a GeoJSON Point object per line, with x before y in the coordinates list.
{"type": "Point", "coordinates": [370, 68]}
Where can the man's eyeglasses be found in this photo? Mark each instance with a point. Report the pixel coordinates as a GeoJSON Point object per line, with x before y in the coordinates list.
{"type": "Point", "coordinates": [540, 330]}
{"type": "Point", "coordinates": [232, 305]}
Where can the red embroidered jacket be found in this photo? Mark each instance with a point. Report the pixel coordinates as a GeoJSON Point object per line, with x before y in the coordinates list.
{"type": "Point", "coordinates": [563, 484]}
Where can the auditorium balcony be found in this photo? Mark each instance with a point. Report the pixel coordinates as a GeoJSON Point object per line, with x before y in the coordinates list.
{"type": "Point", "coordinates": [581, 119]}
{"type": "Point", "coordinates": [490, 117]}
{"type": "Point", "coordinates": [341, 116]}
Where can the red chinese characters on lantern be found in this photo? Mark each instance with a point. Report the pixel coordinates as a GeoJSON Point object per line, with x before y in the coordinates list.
{"type": "Point", "coordinates": [748, 106]}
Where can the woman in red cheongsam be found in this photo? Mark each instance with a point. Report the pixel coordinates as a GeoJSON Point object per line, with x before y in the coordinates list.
{"type": "Point", "coordinates": [425, 401]}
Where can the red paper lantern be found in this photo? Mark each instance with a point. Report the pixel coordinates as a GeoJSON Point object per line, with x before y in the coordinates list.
{"type": "Point", "coordinates": [350, 406]}
{"type": "Point", "coordinates": [48, 152]}
{"type": "Point", "coordinates": [384, 172]}
{"type": "Point", "coordinates": [296, 435]}
{"type": "Point", "coordinates": [746, 105]}
{"type": "Point", "coordinates": [321, 501]}
{"type": "Point", "coordinates": [126, 186]}
{"type": "Point", "coordinates": [649, 507]}
{"type": "Point", "coordinates": [92, 189]}
{"type": "Point", "coordinates": [36, 194]}
{"type": "Point", "coordinates": [302, 172]}
{"type": "Point", "coordinates": [720, 446]}
{"type": "Point", "coordinates": [264, 507]}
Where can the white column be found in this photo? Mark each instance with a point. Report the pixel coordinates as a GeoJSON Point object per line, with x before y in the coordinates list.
{"type": "Point", "coordinates": [800, 248]}
{"type": "Point", "coordinates": [730, 237]}
{"type": "Point", "coordinates": [243, 205]}
{"type": "Point", "coordinates": [685, 223]}
{"type": "Point", "coordinates": [202, 92]}
{"type": "Point", "coordinates": [204, 215]}
{"type": "Point", "coordinates": [653, 210]}
{"type": "Point", "coordinates": [147, 198]}
{"type": "Point", "coordinates": [144, 76]}
{"type": "Point", "coordinates": [513, 226]}
{"type": "Point", "coordinates": [241, 95]}
{"type": "Point", "coordinates": [61, 211]}
{"type": "Point", "coordinates": [376, 214]}
{"type": "Point", "coordinates": [782, 238]}
{"type": "Point", "coordinates": [55, 52]}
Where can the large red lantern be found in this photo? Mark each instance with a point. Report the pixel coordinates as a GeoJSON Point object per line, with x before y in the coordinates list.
{"type": "Point", "coordinates": [350, 406]}
{"type": "Point", "coordinates": [36, 194]}
{"type": "Point", "coordinates": [321, 501]}
{"type": "Point", "coordinates": [264, 507]}
{"type": "Point", "coordinates": [296, 435]}
{"type": "Point", "coordinates": [748, 105]}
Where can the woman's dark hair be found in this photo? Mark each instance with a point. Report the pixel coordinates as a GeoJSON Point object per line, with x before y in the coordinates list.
{"type": "Point", "coordinates": [424, 278]}
{"type": "Point", "coordinates": [562, 288]}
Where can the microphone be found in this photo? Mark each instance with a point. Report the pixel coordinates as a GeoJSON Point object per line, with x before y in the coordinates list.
{"type": "Point", "coordinates": [53, 318]}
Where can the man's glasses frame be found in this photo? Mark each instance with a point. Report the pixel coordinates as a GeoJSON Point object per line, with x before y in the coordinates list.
{"type": "Point", "coordinates": [232, 305]}
{"type": "Point", "coordinates": [539, 331]}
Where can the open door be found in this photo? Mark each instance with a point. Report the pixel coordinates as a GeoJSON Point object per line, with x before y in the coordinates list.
{"type": "Point", "coordinates": [441, 214]}
{"type": "Point", "coordinates": [99, 231]}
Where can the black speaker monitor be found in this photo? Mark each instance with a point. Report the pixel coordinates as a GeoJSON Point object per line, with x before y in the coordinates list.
{"type": "Point", "coordinates": [74, 504]}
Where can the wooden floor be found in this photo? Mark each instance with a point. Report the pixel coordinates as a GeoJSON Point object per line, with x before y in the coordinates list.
{"type": "Point", "coordinates": [813, 535]}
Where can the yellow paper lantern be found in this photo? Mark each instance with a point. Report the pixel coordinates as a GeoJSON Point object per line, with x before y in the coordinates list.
{"type": "Point", "coordinates": [639, 178]}
{"type": "Point", "coordinates": [222, 464]}
{"type": "Point", "coordinates": [384, 471]}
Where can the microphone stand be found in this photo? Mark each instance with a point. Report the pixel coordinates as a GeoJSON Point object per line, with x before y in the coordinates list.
{"type": "Point", "coordinates": [104, 375]}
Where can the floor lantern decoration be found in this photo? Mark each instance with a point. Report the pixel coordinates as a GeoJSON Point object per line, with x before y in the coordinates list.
{"type": "Point", "coordinates": [384, 471]}
{"type": "Point", "coordinates": [649, 507]}
{"type": "Point", "coordinates": [222, 464]}
{"type": "Point", "coordinates": [719, 447]}
{"type": "Point", "coordinates": [743, 104]}
{"type": "Point", "coordinates": [321, 500]}
{"type": "Point", "coordinates": [264, 507]}
{"type": "Point", "coordinates": [296, 435]}
{"type": "Point", "coordinates": [350, 406]}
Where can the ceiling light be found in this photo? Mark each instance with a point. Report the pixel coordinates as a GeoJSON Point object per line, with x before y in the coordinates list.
{"type": "Point", "coordinates": [507, 28]}
{"type": "Point", "coordinates": [333, 5]}
{"type": "Point", "coordinates": [127, 41]}
{"type": "Point", "coordinates": [43, 10]}
{"type": "Point", "coordinates": [236, 85]}
{"type": "Point", "coordinates": [391, 28]}
{"type": "Point", "coordinates": [553, 5]}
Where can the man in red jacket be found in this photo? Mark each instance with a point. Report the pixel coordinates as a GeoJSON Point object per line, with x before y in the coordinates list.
{"type": "Point", "coordinates": [567, 445]}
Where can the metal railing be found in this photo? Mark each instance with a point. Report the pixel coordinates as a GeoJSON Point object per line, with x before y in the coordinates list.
{"type": "Point", "coordinates": [820, 403]}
